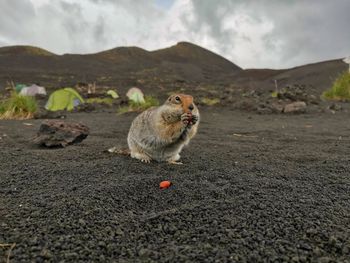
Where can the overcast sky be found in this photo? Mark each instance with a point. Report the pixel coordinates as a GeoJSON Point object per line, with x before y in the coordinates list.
{"type": "Point", "coordinates": [251, 33]}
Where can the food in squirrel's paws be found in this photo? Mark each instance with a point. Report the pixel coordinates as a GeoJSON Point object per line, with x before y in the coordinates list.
{"type": "Point", "coordinates": [190, 118]}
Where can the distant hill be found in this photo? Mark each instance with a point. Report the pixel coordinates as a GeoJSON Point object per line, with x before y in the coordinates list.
{"type": "Point", "coordinates": [185, 52]}
{"type": "Point", "coordinates": [316, 76]}
{"type": "Point", "coordinates": [320, 74]}
{"type": "Point", "coordinates": [24, 50]}
{"type": "Point", "coordinates": [123, 54]}
{"type": "Point", "coordinates": [182, 64]}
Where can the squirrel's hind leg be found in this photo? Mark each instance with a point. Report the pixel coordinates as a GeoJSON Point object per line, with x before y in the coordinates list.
{"type": "Point", "coordinates": [137, 152]}
{"type": "Point", "coordinates": [174, 160]}
{"type": "Point", "coordinates": [141, 156]}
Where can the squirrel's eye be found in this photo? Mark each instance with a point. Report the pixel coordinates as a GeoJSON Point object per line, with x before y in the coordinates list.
{"type": "Point", "coordinates": [177, 98]}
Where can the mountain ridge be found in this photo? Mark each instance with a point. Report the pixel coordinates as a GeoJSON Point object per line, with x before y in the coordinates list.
{"type": "Point", "coordinates": [183, 62]}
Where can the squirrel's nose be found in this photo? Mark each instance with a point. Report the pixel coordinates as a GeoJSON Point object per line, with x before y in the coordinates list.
{"type": "Point", "coordinates": [191, 107]}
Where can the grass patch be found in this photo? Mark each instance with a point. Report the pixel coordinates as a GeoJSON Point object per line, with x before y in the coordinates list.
{"type": "Point", "coordinates": [124, 109]}
{"type": "Point", "coordinates": [340, 89]}
{"type": "Point", "coordinates": [210, 102]}
{"type": "Point", "coordinates": [133, 106]}
{"type": "Point", "coordinates": [18, 107]}
{"type": "Point", "coordinates": [108, 101]}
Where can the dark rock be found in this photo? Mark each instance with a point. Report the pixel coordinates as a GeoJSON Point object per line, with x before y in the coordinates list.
{"type": "Point", "coordinates": [269, 107]}
{"type": "Point", "coordinates": [313, 99]}
{"type": "Point", "coordinates": [295, 107]}
{"type": "Point", "coordinates": [276, 107]}
{"type": "Point", "coordinates": [335, 107]}
{"type": "Point", "coordinates": [246, 105]}
{"type": "Point", "coordinates": [264, 110]}
{"type": "Point", "coordinates": [87, 107]}
{"type": "Point", "coordinates": [295, 93]}
{"type": "Point", "coordinates": [59, 133]}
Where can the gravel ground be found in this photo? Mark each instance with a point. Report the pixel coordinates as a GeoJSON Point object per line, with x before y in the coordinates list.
{"type": "Point", "coordinates": [253, 188]}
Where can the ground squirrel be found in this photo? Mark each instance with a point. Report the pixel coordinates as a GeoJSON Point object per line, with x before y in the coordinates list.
{"type": "Point", "coordinates": [160, 133]}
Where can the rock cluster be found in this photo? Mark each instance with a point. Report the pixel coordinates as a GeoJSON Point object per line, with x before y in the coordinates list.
{"type": "Point", "coordinates": [53, 133]}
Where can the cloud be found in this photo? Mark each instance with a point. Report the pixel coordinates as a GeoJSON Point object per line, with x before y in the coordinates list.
{"type": "Point", "coordinates": [273, 33]}
{"type": "Point", "coordinates": [265, 33]}
{"type": "Point", "coordinates": [309, 31]}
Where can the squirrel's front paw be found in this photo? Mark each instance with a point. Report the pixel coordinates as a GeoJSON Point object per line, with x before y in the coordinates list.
{"type": "Point", "coordinates": [189, 119]}
{"type": "Point", "coordinates": [186, 118]}
{"type": "Point", "coordinates": [194, 119]}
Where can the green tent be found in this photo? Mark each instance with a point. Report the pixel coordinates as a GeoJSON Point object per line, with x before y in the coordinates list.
{"type": "Point", "coordinates": [136, 95]}
{"type": "Point", "coordinates": [113, 94]}
{"type": "Point", "coordinates": [64, 99]}
{"type": "Point", "coordinates": [19, 87]}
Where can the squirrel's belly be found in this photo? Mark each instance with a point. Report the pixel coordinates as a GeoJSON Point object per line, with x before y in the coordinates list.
{"type": "Point", "coordinates": [161, 153]}
{"type": "Point", "coordinates": [158, 154]}
{"type": "Point", "coordinates": [165, 153]}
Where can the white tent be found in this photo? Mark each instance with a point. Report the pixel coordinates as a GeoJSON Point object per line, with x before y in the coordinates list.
{"type": "Point", "coordinates": [136, 95]}
{"type": "Point", "coordinates": [33, 90]}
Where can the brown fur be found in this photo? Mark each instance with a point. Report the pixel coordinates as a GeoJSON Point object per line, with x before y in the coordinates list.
{"type": "Point", "coordinates": [161, 132]}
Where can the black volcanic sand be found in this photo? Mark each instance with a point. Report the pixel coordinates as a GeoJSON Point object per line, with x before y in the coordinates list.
{"type": "Point", "coordinates": [253, 188]}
